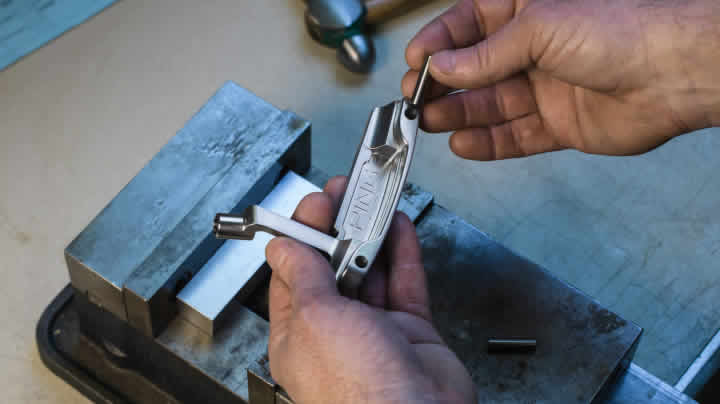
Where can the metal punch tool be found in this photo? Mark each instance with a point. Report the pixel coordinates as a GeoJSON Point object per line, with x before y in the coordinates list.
{"type": "Point", "coordinates": [375, 183]}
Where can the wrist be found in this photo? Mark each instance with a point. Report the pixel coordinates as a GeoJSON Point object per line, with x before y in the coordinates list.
{"type": "Point", "coordinates": [699, 69]}
{"type": "Point", "coordinates": [685, 40]}
{"type": "Point", "coordinates": [700, 104]}
{"type": "Point", "coordinates": [714, 114]}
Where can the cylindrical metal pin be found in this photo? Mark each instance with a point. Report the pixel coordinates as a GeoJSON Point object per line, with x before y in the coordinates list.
{"type": "Point", "coordinates": [421, 83]}
{"type": "Point", "coordinates": [511, 345]}
{"type": "Point", "coordinates": [414, 108]}
{"type": "Point", "coordinates": [228, 226]}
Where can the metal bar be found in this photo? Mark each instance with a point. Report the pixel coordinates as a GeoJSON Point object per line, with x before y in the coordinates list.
{"type": "Point", "coordinates": [636, 385]}
{"type": "Point", "coordinates": [702, 368]}
{"type": "Point", "coordinates": [230, 272]}
{"type": "Point", "coordinates": [497, 345]}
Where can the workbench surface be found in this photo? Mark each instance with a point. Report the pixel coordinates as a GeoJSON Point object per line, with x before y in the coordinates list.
{"type": "Point", "coordinates": [81, 116]}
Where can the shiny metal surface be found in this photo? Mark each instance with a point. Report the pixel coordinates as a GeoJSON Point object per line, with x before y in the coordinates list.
{"type": "Point", "coordinates": [702, 369]}
{"type": "Point", "coordinates": [235, 269]}
{"type": "Point", "coordinates": [357, 53]}
{"type": "Point", "coordinates": [498, 345]}
{"type": "Point", "coordinates": [334, 14]}
{"type": "Point", "coordinates": [375, 183]}
{"type": "Point", "coordinates": [376, 179]}
{"type": "Point", "coordinates": [340, 24]}
{"type": "Point", "coordinates": [258, 219]}
{"type": "Point", "coordinates": [636, 385]}
{"type": "Point", "coordinates": [421, 83]}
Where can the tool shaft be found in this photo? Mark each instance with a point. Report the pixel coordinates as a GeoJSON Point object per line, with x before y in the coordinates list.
{"type": "Point", "coordinates": [256, 219]}
{"type": "Point", "coordinates": [421, 83]}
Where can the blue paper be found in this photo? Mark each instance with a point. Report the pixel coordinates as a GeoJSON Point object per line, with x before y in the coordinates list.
{"type": "Point", "coordinates": [26, 25]}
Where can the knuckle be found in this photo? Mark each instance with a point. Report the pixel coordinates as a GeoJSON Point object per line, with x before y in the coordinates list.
{"type": "Point", "coordinates": [310, 307]}
{"type": "Point", "coordinates": [484, 58]}
{"type": "Point", "coordinates": [467, 110]}
{"type": "Point", "coordinates": [501, 103]}
{"type": "Point", "coordinates": [336, 181]}
{"type": "Point", "coordinates": [522, 135]}
{"type": "Point", "coordinates": [282, 253]}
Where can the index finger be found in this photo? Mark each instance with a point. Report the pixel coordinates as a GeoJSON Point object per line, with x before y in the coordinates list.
{"type": "Point", "coordinates": [462, 25]}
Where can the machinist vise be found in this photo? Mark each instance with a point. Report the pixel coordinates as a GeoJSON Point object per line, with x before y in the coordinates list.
{"type": "Point", "coordinates": [160, 310]}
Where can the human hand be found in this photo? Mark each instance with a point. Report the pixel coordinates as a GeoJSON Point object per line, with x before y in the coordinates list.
{"type": "Point", "coordinates": [613, 77]}
{"type": "Point", "coordinates": [383, 348]}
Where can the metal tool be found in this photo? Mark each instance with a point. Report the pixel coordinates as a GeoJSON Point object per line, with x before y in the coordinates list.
{"type": "Point", "coordinates": [341, 24]}
{"type": "Point", "coordinates": [511, 345]}
{"type": "Point", "coordinates": [375, 183]}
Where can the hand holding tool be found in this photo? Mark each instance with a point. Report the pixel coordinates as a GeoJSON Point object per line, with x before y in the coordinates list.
{"type": "Point", "coordinates": [375, 183]}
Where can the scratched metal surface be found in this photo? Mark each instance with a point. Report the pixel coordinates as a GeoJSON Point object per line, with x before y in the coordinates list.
{"type": "Point", "coordinates": [227, 156]}
{"type": "Point", "coordinates": [479, 289]}
{"type": "Point", "coordinates": [225, 356]}
{"type": "Point", "coordinates": [255, 139]}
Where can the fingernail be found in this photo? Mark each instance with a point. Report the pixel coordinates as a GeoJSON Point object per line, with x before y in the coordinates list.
{"type": "Point", "coordinates": [444, 61]}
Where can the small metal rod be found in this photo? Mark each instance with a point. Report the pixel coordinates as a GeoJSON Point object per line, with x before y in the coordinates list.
{"type": "Point", "coordinates": [421, 83]}
{"type": "Point", "coordinates": [508, 345]}
{"type": "Point", "coordinates": [412, 110]}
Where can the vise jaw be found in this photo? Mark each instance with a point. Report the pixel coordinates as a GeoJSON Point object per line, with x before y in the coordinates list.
{"type": "Point", "coordinates": [145, 245]}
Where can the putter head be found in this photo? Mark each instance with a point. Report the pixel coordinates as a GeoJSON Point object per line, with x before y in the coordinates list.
{"type": "Point", "coordinates": [378, 175]}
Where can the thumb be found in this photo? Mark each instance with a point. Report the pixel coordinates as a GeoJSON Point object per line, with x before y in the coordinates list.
{"type": "Point", "coordinates": [304, 271]}
{"type": "Point", "coordinates": [494, 59]}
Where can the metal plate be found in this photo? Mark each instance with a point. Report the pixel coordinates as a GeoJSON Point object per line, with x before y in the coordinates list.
{"type": "Point", "coordinates": [481, 290]}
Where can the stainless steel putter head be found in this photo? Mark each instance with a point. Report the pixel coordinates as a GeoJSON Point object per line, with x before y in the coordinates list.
{"type": "Point", "coordinates": [374, 186]}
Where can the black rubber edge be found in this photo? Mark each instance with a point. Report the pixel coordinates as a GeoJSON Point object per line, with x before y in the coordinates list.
{"type": "Point", "coordinates": [59, 364]}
